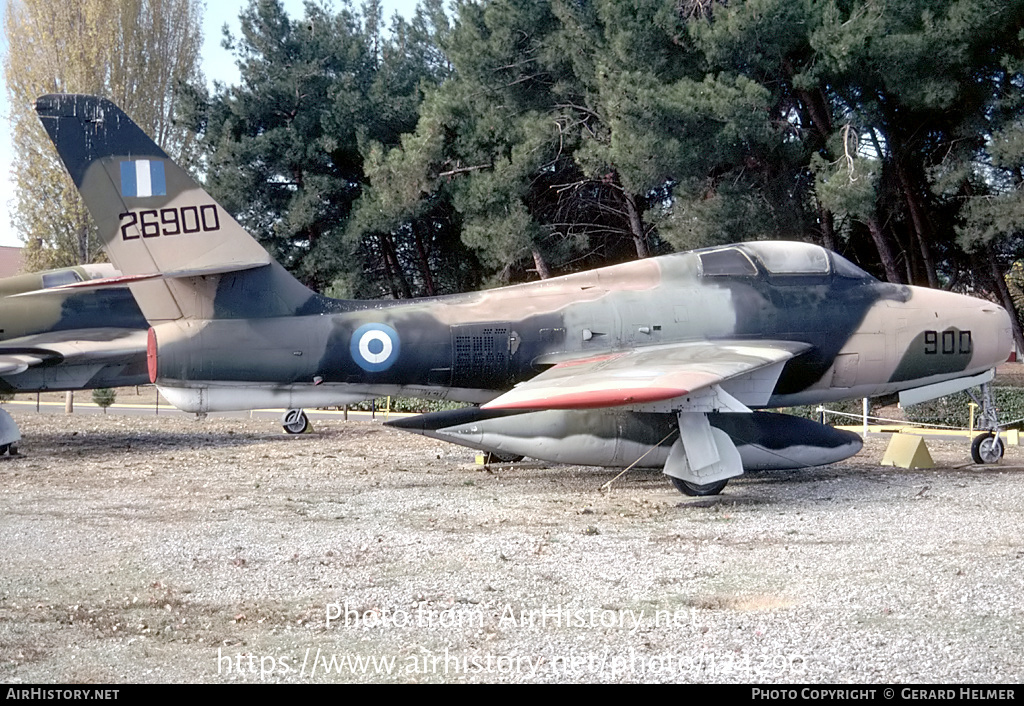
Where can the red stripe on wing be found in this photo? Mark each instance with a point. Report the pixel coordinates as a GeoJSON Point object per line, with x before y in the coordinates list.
{"type": "Point", "coordinates": [592, 399]}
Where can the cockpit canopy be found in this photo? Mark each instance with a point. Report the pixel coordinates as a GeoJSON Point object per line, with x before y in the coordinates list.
{"type": "Point", "coordinates": [777, 258]}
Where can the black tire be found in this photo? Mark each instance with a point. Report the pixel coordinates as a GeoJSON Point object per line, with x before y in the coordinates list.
{"type": "Point", "coordinates": [986, 448]}
{"type": "Point", "coordinates": [695, 490]}
{"type": "Point", "coordinates": [492, 457]}
{"type": "Point", "coordinates": [295, 421]}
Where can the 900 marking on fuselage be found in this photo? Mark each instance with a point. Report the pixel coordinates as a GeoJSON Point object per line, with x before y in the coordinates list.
{"type": "Point", "coordinates": [154, 223]}
{"type": "Point", "coordinates": [948, 342]}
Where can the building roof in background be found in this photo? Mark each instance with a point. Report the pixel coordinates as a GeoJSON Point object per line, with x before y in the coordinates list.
{"type": "Point", "coordinates": [10, 261]}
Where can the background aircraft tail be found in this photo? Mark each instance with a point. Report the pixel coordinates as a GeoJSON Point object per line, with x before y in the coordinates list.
{"type": "Point", "coordinates": [154, 219]}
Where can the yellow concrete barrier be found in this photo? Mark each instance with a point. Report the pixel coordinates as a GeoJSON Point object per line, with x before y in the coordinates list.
{"type": "Point", "coordinates": [907, 451]}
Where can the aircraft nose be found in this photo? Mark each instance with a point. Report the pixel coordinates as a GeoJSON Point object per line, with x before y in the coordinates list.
{"type": "Point", "coordinates": [951, 332]}
{"type": "Point", "coordinates": [1005, 342]}
{"type": "Point", "coordinates": [994, 338]}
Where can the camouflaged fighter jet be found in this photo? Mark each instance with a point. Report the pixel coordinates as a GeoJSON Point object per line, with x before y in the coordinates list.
{"type": "Point", "coordinates": [59, 336]}
{"type": "Point", "coordinates": [56, 336]}
{"type": "Point", "coordinates": [657, 362]}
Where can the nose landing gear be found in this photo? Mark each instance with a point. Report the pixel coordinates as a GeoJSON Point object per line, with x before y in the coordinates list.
{"type": "Point", "coordinates": [987, 447]}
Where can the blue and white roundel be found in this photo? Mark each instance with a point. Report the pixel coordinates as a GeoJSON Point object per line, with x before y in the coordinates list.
{"type": "Point", "coordinates": [374, 347]}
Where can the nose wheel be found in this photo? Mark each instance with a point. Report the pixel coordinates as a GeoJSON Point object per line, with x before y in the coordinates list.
{"type": "Point", "coordinates": [987, 448]}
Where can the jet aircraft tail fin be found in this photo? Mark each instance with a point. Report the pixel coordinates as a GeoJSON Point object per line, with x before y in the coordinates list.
{"type": "Point", "coordinates": [154, 219]}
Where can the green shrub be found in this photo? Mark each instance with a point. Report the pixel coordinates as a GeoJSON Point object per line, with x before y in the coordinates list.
{"type": "Point", "coordinates": [953, 410]}
{"type": "Point", "coordinates": [104, 397]}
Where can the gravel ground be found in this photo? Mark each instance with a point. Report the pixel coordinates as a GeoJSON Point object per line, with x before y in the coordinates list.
{"type": "Point", "coordinates": [178, 550]}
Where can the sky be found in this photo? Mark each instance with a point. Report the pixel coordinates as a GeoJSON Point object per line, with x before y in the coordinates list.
{"type": "Point", "coordinates": [217, 65]}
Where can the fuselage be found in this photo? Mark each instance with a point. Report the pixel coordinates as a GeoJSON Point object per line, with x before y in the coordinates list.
{"type": "Point", "coordinates": [866, 337]}
{"type": "Point", "coordinates": [28, 323]}
{"type": "Point", "coordinates": [607, 362]}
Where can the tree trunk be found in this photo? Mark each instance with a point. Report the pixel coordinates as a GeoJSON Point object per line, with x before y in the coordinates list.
{"type": "Point", "coordinates": [540, 264]}
{"type": "Point", "coordinates": [828, 230]}
{"type": "Point", "coordinates": [388, 274]}
{"type": "Point", "coordinates": [396, 266]}
{"type": "Point", "coordinates": [83, 245]}
{"type": "Point", "coordinates": [999, 280]}
{"type": "Point", "coordinates": [892, 272]}
{"type": "Point", "coordinates": [636, 226]}
{"type": "Point", "coordinates": [910, 255]}
{"type": "Point", "coordinates": [920, 230]}
{"type": "Point", "coordinates": [428, 280]}
{"type": "Point", "coordinates": [814, 103]}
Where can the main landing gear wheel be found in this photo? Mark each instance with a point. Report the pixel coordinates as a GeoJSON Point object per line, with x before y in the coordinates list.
{"type": "Point", "coordinates": [987, 448]}
{"type": "Point", "coordinates": [694, 490]}
{"type": "Point", "coordinates": [491, 457]}
{"type": "Point", "coordinates": [295, 421]}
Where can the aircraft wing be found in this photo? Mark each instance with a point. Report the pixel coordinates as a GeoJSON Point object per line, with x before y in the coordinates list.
{"type": "Point", "coordinates": [644, 375]}
{"type": "Point", "coordinates": [73, 347]}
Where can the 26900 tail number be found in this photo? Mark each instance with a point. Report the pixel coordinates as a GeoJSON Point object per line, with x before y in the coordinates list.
{"type": "Point", "coordinates": [168, 221]}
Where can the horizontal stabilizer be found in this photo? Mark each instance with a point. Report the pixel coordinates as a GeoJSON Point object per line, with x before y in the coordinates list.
{"type": "Point", "coordinates": [125, 280]}
{"type": "Point", "coordinates": [15, 363]}
{"type": "Point", "coordinates": [72, 347]}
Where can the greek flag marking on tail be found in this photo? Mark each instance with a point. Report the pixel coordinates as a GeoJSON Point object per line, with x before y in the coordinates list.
{"type": "Point", "coordinates": [143, 177]}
